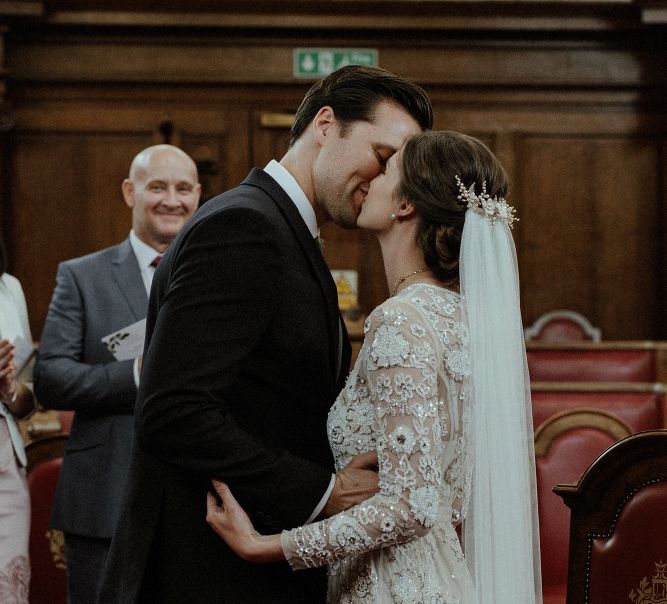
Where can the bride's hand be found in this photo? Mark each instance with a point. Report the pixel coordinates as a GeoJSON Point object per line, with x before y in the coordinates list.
{"type": "Point", "coordinates": [229, 520]}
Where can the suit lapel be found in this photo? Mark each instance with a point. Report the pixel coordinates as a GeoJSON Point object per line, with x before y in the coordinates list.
{"type": "Point", "coordinates": [126, 273]}
{"type": "Point", "coordinates": [312, 251]}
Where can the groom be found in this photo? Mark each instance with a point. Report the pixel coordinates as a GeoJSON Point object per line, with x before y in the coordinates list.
{"type": "Point", "coordinates": [245, 354]}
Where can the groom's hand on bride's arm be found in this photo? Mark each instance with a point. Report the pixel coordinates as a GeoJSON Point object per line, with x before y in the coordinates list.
{"type": "Point", "coordinates": [355, 483]}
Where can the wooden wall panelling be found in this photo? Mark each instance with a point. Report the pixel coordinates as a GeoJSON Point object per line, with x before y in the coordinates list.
{"type": "Point", "coordinates": [558, 226]}
{"type": "Point", "coordinates": [527, 95]}
{"type": "Point", "coordinates": [66, 202]}
{"type": "Point", "coordinates": [216, 137]}
{"type": "Point", "coordinates": [568, 154]}
{"type": "Point", "coordinates": [542, 288]}
{"type": "Point", "coordinates": [67, 164]}
{"type": "Point", "coordinates": [433, 59]}
{"type": "Point", "coordinates": [627, 175]}
{"type": "Point", "coordinates": [269, 135]}
{"type": "Point", "coordinates": [589, 230]}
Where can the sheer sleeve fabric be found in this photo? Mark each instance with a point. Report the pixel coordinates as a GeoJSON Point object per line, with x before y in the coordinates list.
{"type": "Point", "coordinates": [399, 370]}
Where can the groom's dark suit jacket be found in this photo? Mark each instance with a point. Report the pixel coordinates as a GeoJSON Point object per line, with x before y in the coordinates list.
{"type": "Point", "coordinates": [240, 369]}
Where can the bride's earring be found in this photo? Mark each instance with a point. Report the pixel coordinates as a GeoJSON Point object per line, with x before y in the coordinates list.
{"type": "Point", "coordinates": [393, 216]}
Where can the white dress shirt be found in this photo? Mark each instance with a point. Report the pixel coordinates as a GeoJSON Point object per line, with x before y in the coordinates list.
{"type": "Point", "coordinates": [144, 254]}
{"type": "Point", "coordinates": [288, 183]}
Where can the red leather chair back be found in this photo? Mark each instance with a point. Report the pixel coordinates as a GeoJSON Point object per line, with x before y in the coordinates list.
{"type": "Point", "coordinates": [634, 552]}
{"type": "Point", "coordinates": [47, 561]}
{"type": "Point", "coordinates": [562, 326]}
{"type": "Point", "coordinates": [562, 330]}
{"type": "Point", "coordinates": [603, 365]}
{"type": "Point", "coordinates": [640, 410]}
{"type": "Point", "coordinates": [618, 532]}
{"type": "Point", "coordinates": [565, 445]}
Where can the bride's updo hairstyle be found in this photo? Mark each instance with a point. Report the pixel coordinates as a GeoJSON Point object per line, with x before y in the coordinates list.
{"type": "Point", "coordinates": [430, 163]}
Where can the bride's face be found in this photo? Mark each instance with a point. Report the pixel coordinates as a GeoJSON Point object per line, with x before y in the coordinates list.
{"type": "Point", "coordinates": [382, 200]}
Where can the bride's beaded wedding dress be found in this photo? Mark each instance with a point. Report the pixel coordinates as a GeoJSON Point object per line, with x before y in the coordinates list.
{"type": "Point", "coordinates": [406, 399]}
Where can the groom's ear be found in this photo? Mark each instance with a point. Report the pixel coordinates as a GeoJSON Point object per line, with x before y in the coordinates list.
{"type": "Point", "coordinates": [324, 120]}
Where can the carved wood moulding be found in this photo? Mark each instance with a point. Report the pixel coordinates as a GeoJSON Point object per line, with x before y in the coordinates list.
{"type": "Point", "coordinates": [348, 15]}
{"type": "Point", "coordinates": [654, 11]}
{"type": "Point", "coordinates": [21, 8]}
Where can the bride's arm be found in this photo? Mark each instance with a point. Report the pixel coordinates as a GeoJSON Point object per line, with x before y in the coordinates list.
{"type": "Point", "coordinates": [401, 378]}
{"type": "Point", "coordinates": [403, 391]}
{"type": "Point", "coordinates": [229, 520]}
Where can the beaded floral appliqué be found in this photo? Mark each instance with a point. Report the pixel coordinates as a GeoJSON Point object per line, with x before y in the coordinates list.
{"type": "Point", "coordinates": [404, 399]}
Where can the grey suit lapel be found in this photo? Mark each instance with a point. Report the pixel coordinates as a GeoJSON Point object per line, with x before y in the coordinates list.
{"type": "Point", "coordinates": [126, 273]}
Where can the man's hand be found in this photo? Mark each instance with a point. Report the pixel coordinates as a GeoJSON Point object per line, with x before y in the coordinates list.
{"type": "Point", "coordinates": [355, 483]}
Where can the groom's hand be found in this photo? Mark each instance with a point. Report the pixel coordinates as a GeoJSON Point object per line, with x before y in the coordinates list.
{"type": "Point", "coordinates": [355, 483]}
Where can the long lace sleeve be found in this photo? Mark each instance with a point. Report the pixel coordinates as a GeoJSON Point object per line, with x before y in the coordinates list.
{"type": "Point", "coordinates": [398, 374]}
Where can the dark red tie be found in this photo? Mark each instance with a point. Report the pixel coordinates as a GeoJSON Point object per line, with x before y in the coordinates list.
{"type": "Point", "coordinates": [156, 261]}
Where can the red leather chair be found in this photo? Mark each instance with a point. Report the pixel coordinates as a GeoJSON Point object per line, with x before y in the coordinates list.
{"type": "Point", "coordinates": [618, 535]}
{"type": "Point", "coordinates": [565, 445]}
{"type": "Point", "coordinates": [48, 581]}
{"type": "Point", "coordinates": [641, 406]}
{"type": "Point", "coordinates": [562, 326]}
{"type": "Point", "coordinates": [588, 362]}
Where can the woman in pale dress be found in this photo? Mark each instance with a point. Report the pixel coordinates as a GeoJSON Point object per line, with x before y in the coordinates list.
{"type": "Point", "coordinates": [440, 392]}
{"type": "Point", "coordinates": [16, 401]}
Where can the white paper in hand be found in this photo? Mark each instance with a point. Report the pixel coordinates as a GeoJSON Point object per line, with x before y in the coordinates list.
{"type": "Point", "coordinates": [127, 343]}
{"type": "Point", "coordinates": [23, 352]}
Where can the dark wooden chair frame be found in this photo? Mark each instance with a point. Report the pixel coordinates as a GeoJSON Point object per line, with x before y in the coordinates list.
{"type": "Point", "coordinates": [597, 500]}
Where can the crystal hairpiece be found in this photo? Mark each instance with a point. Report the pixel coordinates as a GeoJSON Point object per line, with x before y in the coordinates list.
{"type": "Point", "coordinates": [495, 208]}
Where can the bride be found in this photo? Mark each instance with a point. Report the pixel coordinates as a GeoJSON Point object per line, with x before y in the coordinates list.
{"type": "Point", "coordinates": [440, 392]}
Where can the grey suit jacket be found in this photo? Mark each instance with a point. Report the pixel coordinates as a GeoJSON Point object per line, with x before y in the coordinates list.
{"type": "Point", "coordinates": [94, 295]}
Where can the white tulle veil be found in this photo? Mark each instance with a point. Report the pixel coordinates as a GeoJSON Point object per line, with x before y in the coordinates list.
{"type": "Point", "coordinates": [500, 531]}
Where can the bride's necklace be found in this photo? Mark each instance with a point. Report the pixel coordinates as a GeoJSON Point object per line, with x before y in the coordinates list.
{"type": "Point", "coordinates": [404, 277]}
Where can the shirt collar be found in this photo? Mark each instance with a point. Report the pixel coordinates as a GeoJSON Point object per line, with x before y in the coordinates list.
{"type": "Point", "coordinates": [144, 252]}
{"type": "Point", "coordinates": [289, 184]}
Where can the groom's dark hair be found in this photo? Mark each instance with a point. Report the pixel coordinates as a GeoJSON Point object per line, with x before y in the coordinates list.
{"type": "Point", "coordinates": [354, 91]}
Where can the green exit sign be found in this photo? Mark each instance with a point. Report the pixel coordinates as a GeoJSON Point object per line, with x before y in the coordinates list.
{"type": "Point", "coordinates": [320, 62]}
